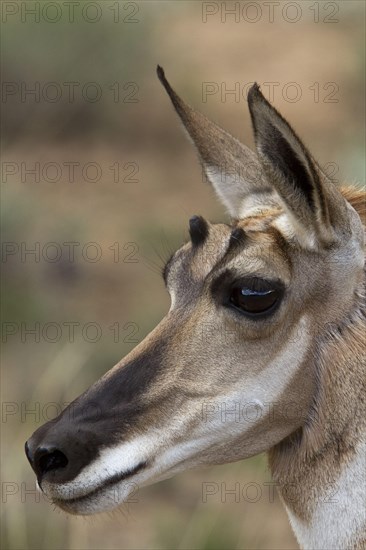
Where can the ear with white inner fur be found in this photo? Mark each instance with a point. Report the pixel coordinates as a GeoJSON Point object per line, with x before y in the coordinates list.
{"type": "Point", "coordinates": [313, 202]}
{"type": "Point", "coordinates": [232, 168]}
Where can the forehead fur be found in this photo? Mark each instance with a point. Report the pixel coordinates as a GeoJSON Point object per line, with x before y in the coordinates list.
{"type": "Point", "coordinates": [262, 241]}
{"type": "Point", "coordinates": [252, 244]}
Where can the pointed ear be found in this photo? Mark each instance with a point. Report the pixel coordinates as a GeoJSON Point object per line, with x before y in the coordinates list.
{"type": "Point", "coordinates": [232, 168]}
{"type": "Point", "coordinates": [315, 205]}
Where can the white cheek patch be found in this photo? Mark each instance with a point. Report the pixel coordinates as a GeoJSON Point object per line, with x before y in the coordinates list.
{"type": "Point", "coordinates": [223, 420]}
{"type": "Point", "coordinates": [246, 407]}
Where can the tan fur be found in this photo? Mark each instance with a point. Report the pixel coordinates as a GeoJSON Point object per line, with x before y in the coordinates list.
{"type": "Point", "coordinates": [357, 198]}
{"type": "Point", "coordinates": [301, 366]}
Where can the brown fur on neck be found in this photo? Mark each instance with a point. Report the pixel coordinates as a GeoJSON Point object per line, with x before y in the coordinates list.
{"type": "Point", "coordinates": [312, 457]}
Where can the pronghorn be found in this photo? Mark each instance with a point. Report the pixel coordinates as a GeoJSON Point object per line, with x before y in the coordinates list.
{"type": "Point", "coordinates": [266, 312]}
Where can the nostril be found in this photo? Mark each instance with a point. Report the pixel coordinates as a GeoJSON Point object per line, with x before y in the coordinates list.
{"type": "Point", "coordinates": [46, 460]}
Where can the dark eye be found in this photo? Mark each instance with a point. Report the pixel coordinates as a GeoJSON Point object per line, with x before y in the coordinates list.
{"type": "Point", "coordinates": [255, 296]}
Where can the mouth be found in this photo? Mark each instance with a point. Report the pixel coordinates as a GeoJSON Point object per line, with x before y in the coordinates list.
{"type": "Point", "coordinates": [107, 495]}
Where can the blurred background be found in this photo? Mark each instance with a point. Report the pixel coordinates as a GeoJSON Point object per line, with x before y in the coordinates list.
{"type": "Point", "coordinates": [98, 183]}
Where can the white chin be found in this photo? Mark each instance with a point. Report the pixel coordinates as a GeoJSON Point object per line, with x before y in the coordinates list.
{"type": "Point", "coordinates": [100, 501]}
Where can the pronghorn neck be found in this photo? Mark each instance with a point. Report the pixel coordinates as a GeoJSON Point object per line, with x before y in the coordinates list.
{"type": "Point", "coordinates": [320, 470]}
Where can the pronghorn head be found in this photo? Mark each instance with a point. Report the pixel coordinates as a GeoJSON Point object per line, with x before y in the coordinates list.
{"type": "Point", "coordinates": [229, 372]}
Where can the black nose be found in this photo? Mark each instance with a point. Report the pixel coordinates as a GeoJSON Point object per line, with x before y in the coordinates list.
{"type": "Point", "coordinates": [57, 453]}
{"type": "Point", "coordinates": [44, 459]}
